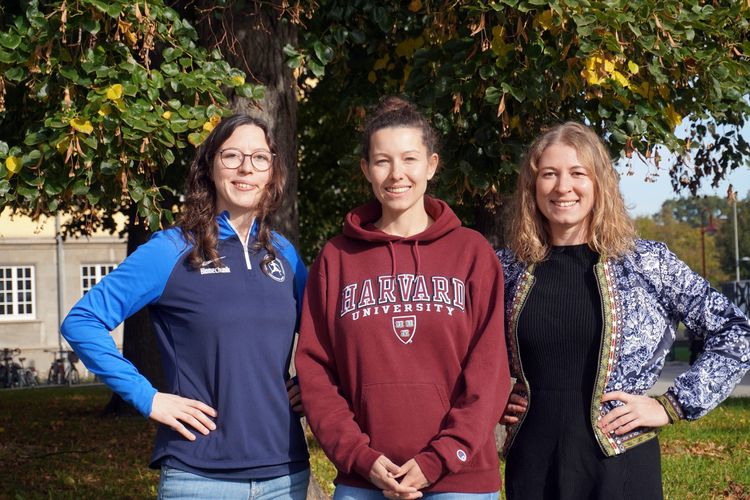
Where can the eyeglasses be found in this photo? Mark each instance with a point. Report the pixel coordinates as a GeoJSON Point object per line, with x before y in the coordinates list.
{"type": "Point", "coordinates": [234, 158]}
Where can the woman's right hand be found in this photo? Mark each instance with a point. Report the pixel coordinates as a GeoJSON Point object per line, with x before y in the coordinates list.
{"type": "Point", "coordinates": [517, 405]}
{"type": "Point", "coordinates": [173, 410]}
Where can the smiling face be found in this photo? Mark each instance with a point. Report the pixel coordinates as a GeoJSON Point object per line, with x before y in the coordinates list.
{"type": "Point", "coordinates": [565, 194]}
{"type": "Point", "coordinates": [398, 169]}
{"type": "Point", "coordinates": [239, 190]}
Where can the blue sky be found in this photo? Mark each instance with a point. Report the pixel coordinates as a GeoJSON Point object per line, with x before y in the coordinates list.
{"type": "Point", "coordinates": [646, 198]}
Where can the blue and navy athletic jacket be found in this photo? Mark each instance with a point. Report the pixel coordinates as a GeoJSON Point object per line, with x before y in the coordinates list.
{"type": "Point", "coordinates": [225, 333]}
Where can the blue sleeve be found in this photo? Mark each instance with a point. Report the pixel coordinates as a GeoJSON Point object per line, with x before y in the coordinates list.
{"type": "Point", "coordinates": [137, 282]}
{"type": "Point", "coordinates": [300, 270]}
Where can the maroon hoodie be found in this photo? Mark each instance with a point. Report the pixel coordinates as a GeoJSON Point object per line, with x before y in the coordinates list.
{"type": "Point", "coordinates": [402, 351]}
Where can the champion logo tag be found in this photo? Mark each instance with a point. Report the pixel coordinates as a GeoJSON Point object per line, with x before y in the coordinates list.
{"type": "Point", "coordinates": [461, 454]}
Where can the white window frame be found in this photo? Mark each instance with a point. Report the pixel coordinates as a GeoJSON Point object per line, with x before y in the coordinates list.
{"type": "Point", "coordinates": [14, 280]}
{"type": "Point", "coordinates": [99, 271]}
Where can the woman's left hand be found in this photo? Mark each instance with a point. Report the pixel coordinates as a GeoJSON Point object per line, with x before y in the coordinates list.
{"type": "Point", "coordinates": [295, 397]}
{"type": "Point", "coordinates": [412, 478]}
{"type": "Point", "coordinates": [637, 411]}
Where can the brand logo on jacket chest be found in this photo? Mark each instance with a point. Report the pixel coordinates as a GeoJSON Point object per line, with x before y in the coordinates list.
{"type": "Point", "coordinates": [403, 293]}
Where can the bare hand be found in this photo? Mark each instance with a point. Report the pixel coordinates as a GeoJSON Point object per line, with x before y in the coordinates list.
{"type": "Point", "coordinates": [173, 410]}
{"type": "Point", "coordinates": [638, 411]}
{"type": "Point", "coordinates": [412, 478]}
{"type": "Point", "coordinates": [295, 397]}
{"type": "Point", "coordinates": [516, 407]}
{"type": "Point", "coordinates": [382, 475]}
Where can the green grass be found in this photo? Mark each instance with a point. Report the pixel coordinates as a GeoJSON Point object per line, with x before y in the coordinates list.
{"type": "Point", "coordinates": [53, 444]}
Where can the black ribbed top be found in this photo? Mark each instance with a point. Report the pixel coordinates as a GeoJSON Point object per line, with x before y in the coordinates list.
{"type": "Point", "coordinates": [559, 329]}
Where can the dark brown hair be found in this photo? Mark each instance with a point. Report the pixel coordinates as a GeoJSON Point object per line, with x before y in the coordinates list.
{"type": "Point", "coordinates": [396, 112]}
{"type": "Point", "coordinates": [198, 222]}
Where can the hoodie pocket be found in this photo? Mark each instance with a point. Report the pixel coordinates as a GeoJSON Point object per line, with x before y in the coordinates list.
{"type": "Point", "coordinates": [402, 418]}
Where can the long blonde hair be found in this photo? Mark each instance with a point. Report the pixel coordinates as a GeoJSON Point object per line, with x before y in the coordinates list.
{"type": "Point", "coordinates": [610, 232]}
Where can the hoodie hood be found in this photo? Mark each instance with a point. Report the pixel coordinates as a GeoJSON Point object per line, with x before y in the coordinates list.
{"type": "Point", "coordinates": [359, 224]}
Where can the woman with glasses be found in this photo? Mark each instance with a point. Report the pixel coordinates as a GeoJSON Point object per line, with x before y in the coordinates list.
{"type": "Point", "coordinates": [223, 292]}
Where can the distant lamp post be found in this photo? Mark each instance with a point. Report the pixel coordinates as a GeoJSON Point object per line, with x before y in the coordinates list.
{"type": "Point", "coordinates": [732, 195]}
{"type": "Point", "coordinates": [710, 229]}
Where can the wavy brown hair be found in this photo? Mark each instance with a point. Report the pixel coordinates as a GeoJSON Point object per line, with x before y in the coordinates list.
{"type": "Point", "coordinates": [610, 230]}
{"type": "Point", "coordinates": [198, 219]}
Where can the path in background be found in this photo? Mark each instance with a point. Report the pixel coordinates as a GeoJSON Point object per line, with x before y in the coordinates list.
{"type": "Point", "coordinates": [674, 368]}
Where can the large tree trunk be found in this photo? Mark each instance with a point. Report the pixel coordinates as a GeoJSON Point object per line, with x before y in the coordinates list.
{"type": "Point", "coordinates": [251, 36]}
{"type": "Point", "coordinates": [139, 343]}
{"type": "Point", "coordinates": [490, 219]}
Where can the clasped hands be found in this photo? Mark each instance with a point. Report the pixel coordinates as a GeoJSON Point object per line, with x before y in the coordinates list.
{"type": "Point", "coordinates": [385, 475]}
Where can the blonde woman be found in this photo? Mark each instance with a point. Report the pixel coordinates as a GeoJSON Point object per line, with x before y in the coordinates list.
{"type": "Point", "coordinates": [591, 313]}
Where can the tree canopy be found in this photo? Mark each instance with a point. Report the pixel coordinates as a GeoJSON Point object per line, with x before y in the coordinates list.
{"type": "Point", "coordinates": [101, 103]}
{"type": "Point", "coordinates": [492, 75]}
{"type": "Point", "coordinates": [680, 221]}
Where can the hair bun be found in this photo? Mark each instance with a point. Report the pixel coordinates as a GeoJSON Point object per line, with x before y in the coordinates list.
{"type": "Point", "coordinates": [391, 104]}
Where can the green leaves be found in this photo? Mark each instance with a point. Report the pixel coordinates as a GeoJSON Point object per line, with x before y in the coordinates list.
{"type": "Point", "coordinates": [90, 122]}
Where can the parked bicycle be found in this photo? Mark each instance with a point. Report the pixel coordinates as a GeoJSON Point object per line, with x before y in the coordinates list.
{"type": "Point", "coordinates": [63, 369]}
{"type": "Point", "coordinates": [14, 374]}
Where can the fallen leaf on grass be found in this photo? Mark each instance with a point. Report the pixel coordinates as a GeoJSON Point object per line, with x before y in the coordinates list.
{"type": "Point", "coordinates": [736, 491]}
{"type": "Point", "coordinates": [707, 449]}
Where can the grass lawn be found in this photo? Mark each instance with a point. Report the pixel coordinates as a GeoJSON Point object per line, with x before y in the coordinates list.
{"type": "Point", "coordinates": [54, 445]}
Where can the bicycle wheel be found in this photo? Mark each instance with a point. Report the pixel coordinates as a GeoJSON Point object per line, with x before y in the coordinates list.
{"type": "Point", "coordinates": [73, 377]}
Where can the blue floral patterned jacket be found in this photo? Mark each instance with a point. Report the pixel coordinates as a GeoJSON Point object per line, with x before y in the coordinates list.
{"type": "Point", "coordinates": [644, 296]}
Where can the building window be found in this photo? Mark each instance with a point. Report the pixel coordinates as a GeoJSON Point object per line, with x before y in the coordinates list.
{"type": "Point", "coordinates": [16, 292]}
{"type": "Point", "coordinates": [91, 274]}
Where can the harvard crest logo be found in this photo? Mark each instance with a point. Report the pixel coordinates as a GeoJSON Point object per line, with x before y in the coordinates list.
{"type": "Point", "coordinates": [404, 327]}
{"type": "Point", "coordinates": [276, 271]}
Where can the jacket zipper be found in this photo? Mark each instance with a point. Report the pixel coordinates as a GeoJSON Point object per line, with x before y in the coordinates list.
{"type": "Point", "coordinates": [244, 245]}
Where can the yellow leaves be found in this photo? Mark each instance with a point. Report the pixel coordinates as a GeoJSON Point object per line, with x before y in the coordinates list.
{"type": "Point", "coordinates": [211, 123]}
{"type": "Point", "coordinates": [114, 92]}
{"type": "Point", "coordinates": [166, 115]}
{"type": "Point", "coordinates": [544, 20]}
{"type": "Point", "coordinates": [381, 63]}
{"type": "Point", "coordinates": [124, 28]}
{"type": "Point", "coordinates": [81, 125]}
{"type": "Point", "coordinates": [62, 146]}
{"type": "Point", "coordinates": [415, 5]}
{"type": "Point", "coordinates": [498, 45]}
{"type": "Point", "coordinates": [237, 80]}
{"type": "Point", "coordinates": [407, 47]}
{"type": "Point", "coordinates": [599, 69]}
{"type": "Point", "coordinates": [372, 77]}
{"type": "Point", "coordinates": [13, 164]}
{"type": "Point", "coordinates": [672, 116]}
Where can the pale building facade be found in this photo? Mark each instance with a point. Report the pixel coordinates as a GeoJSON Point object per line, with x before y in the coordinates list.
{"type": "Point", "coordinates": [29, 295]}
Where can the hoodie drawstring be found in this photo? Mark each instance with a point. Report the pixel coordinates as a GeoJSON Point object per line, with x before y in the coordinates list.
{"type": "Point", "coordinates": [393, 258]}
{"type": "Point", "coordinates": [415, 253]}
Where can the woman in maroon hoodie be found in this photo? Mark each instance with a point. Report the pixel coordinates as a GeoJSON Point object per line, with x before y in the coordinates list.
{"type": "Point", "coordinates": [402, 360]}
